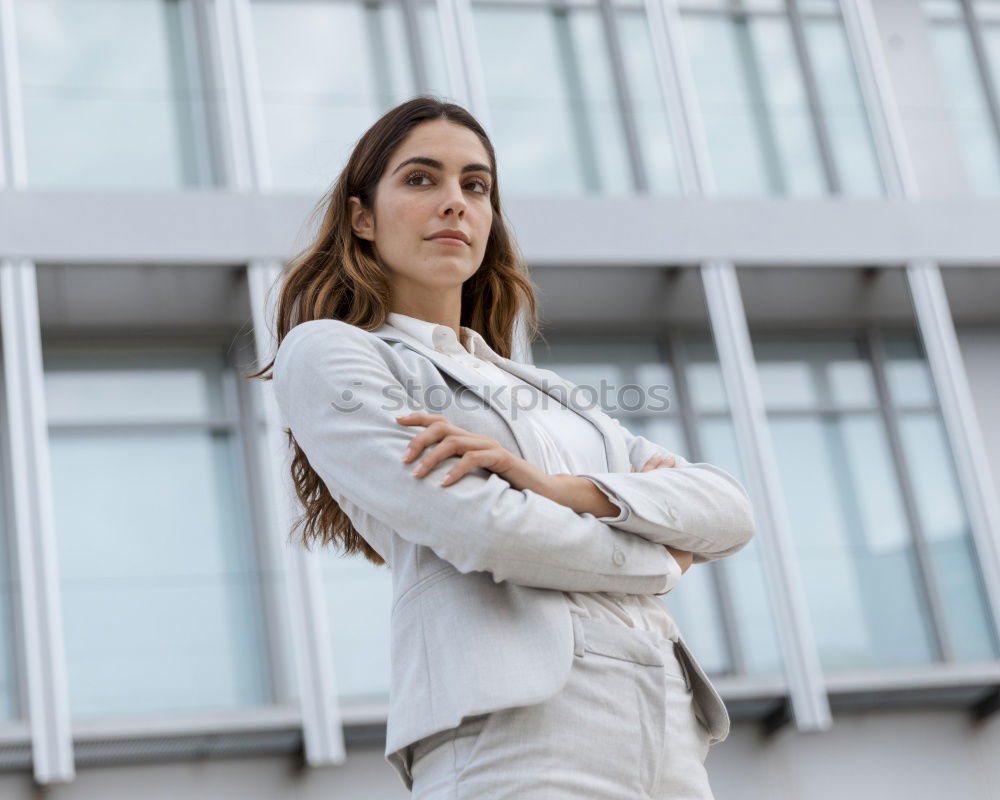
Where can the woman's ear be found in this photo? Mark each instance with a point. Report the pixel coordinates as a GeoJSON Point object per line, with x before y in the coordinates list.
{"type": "Point", "coordinates": [362, 221]}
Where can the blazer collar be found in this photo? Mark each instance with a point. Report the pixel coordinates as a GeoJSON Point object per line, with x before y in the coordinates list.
{"type": "Point", "coordinates": [550, 383]}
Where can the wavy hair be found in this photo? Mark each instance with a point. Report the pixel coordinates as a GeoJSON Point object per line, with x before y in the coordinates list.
{"type": "Point", "coordinates": [339, 276]}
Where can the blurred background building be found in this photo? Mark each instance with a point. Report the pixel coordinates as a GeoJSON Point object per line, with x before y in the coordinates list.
{"type": "Point", "coordinates": [785, 210]}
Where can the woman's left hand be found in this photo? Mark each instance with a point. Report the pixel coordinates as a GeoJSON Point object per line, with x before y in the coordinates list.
{"type": "Point", "coordinates": [476, 450]}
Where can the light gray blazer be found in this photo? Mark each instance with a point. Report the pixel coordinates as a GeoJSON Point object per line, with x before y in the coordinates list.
{"type": "Point", "coordinates": [479, 619]}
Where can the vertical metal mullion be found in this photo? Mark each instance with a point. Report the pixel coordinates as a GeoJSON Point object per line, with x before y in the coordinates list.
{"type": "Point", "coordinates": [321, 721]}
{"type": "Point", "coordinates": [983, 65]}
{"type": "Point", "coordinates": [809, 700]}
{"type": "Point", "coordinates": [944, 357]}
{"type": "Point", "coordinates": [415, 45]}
{"type": "Point", "coordinates": [689, 424]}
{"type": "Point", "coordinates": [13, 155]}
{"type": "Point", "coordinates": [623, 96]}
{"type": "Point", "coordinates": [237, 76]}
{"type": "Point", "coordinates": [930, 588]}
{"type": "Point", "coordinates": [880, 102]}
{"type": "Point", "coordinates": [816, 112]}
{"type": "Point", "coordinates": [681, 98]}
{"type": "Point", "coordinates": [34, 526]}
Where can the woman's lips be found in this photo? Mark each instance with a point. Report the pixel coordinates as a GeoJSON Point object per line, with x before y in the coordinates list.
{"type": "Point", "coordinates": [448, 241]}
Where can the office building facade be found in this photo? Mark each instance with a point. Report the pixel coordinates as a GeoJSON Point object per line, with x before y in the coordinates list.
{"type": "Point", "coordinates": [785, 212]}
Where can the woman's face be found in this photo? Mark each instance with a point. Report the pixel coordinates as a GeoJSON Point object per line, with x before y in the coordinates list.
{"type": "Point", "coordinates": [447, 188]}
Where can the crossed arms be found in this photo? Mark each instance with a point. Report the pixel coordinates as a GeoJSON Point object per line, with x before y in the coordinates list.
{"type": "Point", "coordinates": [481, 523]}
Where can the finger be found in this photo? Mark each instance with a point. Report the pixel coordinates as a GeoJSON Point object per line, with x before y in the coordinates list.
{"type": "Point", "coordinates": [468, 462]}
{"type": "Point", "coordinates": [654, 460]}
{"type": "Point", "coordinates": [419, 418]}
{"type": "Point", "coordinates": [450, 445]}
{"type": "Point", "coordinates": [669, 461]}
{"type": "Point", "coordinates": [437, 429]}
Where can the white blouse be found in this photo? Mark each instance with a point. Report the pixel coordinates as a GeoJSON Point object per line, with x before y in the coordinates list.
{"type": "Point", "coordinates": [570, 444]}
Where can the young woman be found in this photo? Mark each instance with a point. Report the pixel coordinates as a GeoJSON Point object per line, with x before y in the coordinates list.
{"type": "Point", "coordinates": [527, 534]}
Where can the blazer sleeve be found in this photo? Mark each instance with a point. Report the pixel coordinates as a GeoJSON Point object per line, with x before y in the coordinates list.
{"type": "Point", "coordinates": [334, 389]}
{"type": "Point", "coordinates": [691, 506]}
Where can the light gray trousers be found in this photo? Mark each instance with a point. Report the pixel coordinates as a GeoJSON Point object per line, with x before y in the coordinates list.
{"type": "Point", "coordinates": [623, 727]}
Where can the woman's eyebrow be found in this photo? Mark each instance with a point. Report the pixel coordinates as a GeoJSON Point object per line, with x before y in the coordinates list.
{"type": "Point", "coordinates": [433, 162]}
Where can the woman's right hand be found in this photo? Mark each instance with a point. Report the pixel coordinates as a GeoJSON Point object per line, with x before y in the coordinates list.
{"type": "Point", "coordinates": [683, 557]}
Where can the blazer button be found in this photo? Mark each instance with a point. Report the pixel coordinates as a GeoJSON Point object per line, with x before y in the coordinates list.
{"type": "Point", "coordinates": [619, 557]}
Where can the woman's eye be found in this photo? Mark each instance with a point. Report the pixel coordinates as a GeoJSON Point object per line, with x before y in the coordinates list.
{"type": "Point", "coordinates": [484, 187]}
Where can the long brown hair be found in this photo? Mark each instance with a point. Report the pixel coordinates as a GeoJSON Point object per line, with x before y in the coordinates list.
{"type": "Point", "coordinates": [338, 276]}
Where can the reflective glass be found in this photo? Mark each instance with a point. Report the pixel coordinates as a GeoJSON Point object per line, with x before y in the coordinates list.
{"type": "Point", "coordinates": [111, 94]}
{"type": "Point", "coordinates": [359, 605]}
{"type": "Point", "coordinates": [756, 111]}
{"type": "Point", "coordinates": [554, 117]}
{"type": "Point", "coordinates": [9, 687]}
{"type": "Point", "coordinates": [965, 90]}
{"type": "Point", "coordinates": [327, 70]}
{"type": "Point", "coordinates": [158, 573]}
{"type": "Point", "coordinates": [940, 506]}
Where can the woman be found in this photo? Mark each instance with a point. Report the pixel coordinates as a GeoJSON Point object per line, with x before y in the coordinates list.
{"type": "Point", "coordinates": [529, 656]}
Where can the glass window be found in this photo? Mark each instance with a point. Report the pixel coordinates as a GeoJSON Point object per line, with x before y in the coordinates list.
{"type": "Point", "coordinates": [112, 94]}
{"type": "Point", "coordinates": [743, 573]}
{"type": "Point", "coordinates": [158, 570]}
{"type": "Point", "coordinates": [964, 86]}
{"type": "Point", "coordinates": [9, 688]}
{"type": "Point", "coordinates": [694, 422]}
{"type": "Point", "coordinates": [359, 607]}
{"type": "Point", "coordinates": [846, 493]}
{"type": "Point", "coordinates": [940, 507]}
{"type": "Point", "coordinates": [761, 130]}
{"type": "Point", "coordinates": [328, 69]}
{"type": "Point", "coordinates": [554, 110]}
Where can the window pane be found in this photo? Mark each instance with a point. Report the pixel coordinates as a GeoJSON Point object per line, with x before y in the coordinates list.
{"type": "Point", "coordinates": [937, 494]}
{"type": "Point", "coordinates": [755, 107]}
{"type": "Point", "coordinates": [127, 387]}
{"type": "Point", "coordinates": [650, 114]}
{"type": "Point", "coordinates": [553, 113]}
{"type": "Point", "coordinates": [844, 490]}
{"type": "Point", "coordinates": [317, 98]}
{"type": "Point", "coordinates": [9, 688]}
{"type": "Point", "coordinates": [359, 605]}
{"type": "Point", "coordinates": [844, 111]}
{"type": "Point", "coordinates": [966, 92]}
{"type": "Point", "coordinates": [155, 542]}
{"type": "Point", "coordinates": [828, 372]}
{"type": "Point", "coordinates": [949, 537]}
{"type": "Point", "coordinates": [855, 554]}
{"type": "Point", "coordinates": [111, 94]}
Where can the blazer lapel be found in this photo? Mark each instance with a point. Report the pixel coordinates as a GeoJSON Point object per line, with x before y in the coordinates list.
{"type": "Point", "coordinates": [557, 388]}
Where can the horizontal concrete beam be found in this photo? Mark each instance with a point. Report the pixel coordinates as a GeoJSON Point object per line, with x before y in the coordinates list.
{"type": "Point", "coordinates": [226, 228]}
